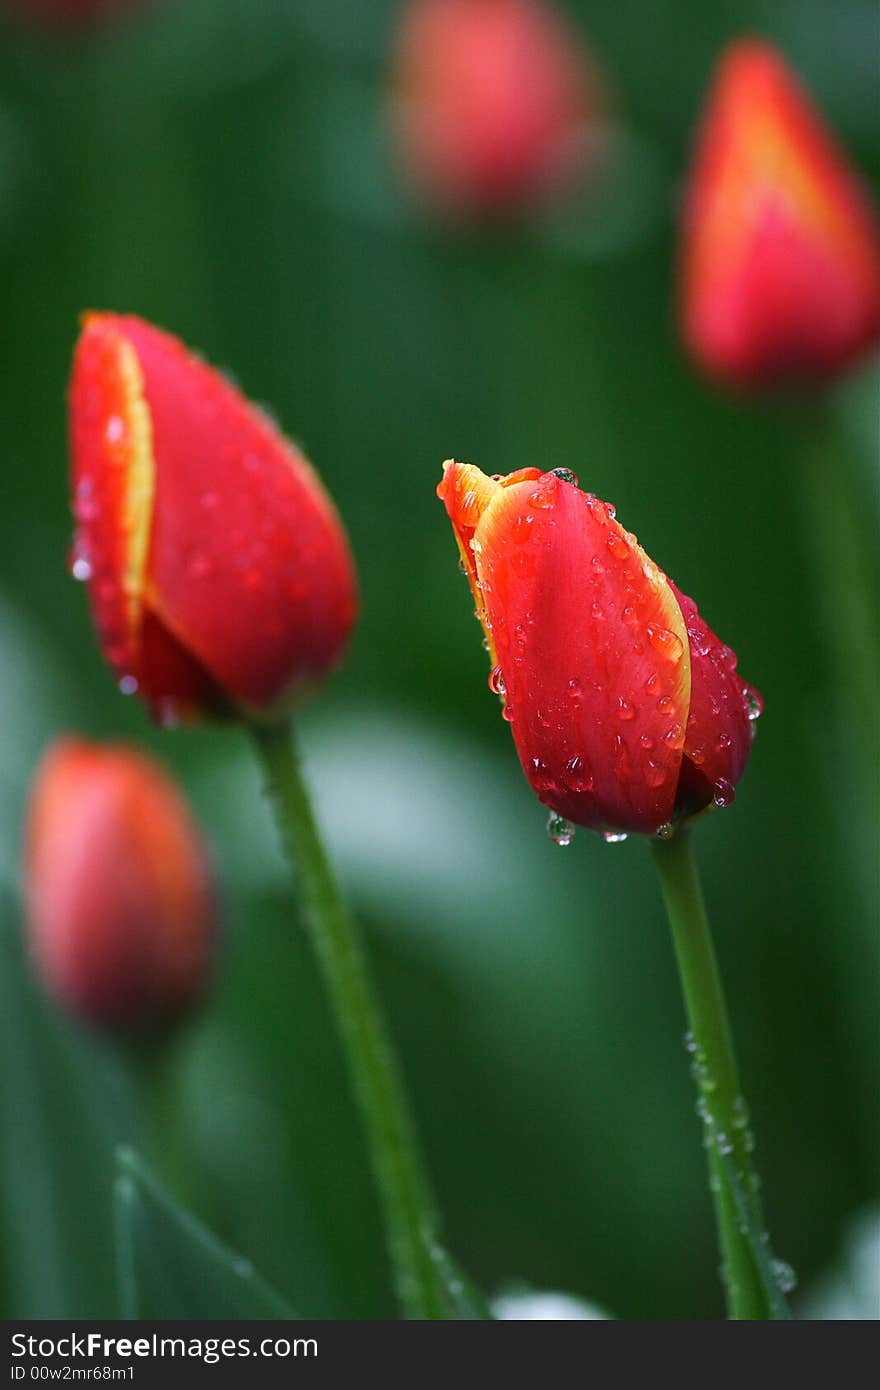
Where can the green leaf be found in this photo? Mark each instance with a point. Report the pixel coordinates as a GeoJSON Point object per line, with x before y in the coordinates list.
{"type": "Point", "coordinates": [768, 1268]}
{"type": "Point", "coordinates": [170, 1266]}
{"type": "Point", "coordinates": [464, 1298]}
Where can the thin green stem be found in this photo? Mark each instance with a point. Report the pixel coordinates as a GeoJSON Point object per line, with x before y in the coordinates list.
{"type": "Point", "coordinates": [406, 1201]}
{"type": "Point", "coordinates": [720, 1104]}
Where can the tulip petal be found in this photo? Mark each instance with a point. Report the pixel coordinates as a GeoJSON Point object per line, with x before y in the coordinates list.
{"type": "Point", "coordinates": [467, 492]}
{"type": "Point", "coordinates": [593, 652]}
{"type": "Point", "coordinates": [719, 729]}
{"type": "Point", "coordinates": [113, 481]}
{"type": "Point", "coordinates": [248, 571]}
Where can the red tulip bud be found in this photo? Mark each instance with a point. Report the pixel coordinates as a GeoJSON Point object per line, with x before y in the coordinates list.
{"type": "Point", "coordinates": [626, 711]}
{"type": "Point", "coordinates": [493, 101]}
{"type": "Point", "coordinates": [780, 263]}
{"type": "Point", "coordinates": [219, 572]}
{"type": "Point", "coordinates": [119, 897]}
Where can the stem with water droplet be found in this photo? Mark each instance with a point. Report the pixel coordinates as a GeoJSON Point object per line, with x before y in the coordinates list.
{"type": "Point", "coordinates": [721, 1106]}
{"type": "Point", "coordinates": [406, 1202]}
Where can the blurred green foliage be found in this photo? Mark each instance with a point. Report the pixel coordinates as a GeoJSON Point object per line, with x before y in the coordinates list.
{"type": "Point", "coordinates": [221, 168]}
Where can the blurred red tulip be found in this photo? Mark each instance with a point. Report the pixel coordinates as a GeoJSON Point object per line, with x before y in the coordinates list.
{"type": "Point", "coordinates": [119, 896]}
{"type": "Point", "coordinates": [219, 572]}
{"type": "Point", "coordinates": [780, 259]}
{"type": "Point", "coordinates": [493, 103]}
{"type": "Point", "coordinates": [626, 711]}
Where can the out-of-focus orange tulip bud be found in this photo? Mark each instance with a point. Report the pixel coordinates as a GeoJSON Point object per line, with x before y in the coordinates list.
{"type": "Point", "coordinates": [219, 573]}
{"type": "Point", "coordinates": [627, 712]}
{"type": "Point", "coordinates": [780, 276]}
{"type": "Point", "coordinates": [494, 101]}
{"type": "Point", "coordinates": [120, 904]}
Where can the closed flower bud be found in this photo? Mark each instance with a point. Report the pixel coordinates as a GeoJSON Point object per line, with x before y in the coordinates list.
{"type": "Point", "coordinates": [219, 573]}
{"type": "Point", "coordinates": [780, 276]}
{"type": "Point", "coordinates": [493, 103]}
{"type": "Point", "coordinates": [626, 711]}
{"type": "Point", "coordinates": [119, 896]}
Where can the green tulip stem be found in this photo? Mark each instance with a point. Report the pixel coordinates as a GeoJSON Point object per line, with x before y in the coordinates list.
{"type": "Point", "coordinates": [720, 1104]}
{"type": "Point", "coordinates": [405, 1199]}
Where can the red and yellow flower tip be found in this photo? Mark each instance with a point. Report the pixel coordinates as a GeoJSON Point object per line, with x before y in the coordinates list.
{"type": "Point", "coordinates": [493, 104]}
{"type": "Point", "coordinates": [219, 573]}
{"type": "Point", "coordinates": [120, 903]}
{"type": "Point", "coordinates": [627, 712]}
{"type": "Point", "coordinates": [780, 273]}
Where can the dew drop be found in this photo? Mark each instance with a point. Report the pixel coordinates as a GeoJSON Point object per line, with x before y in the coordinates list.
{"type": "Point", "coordinates": [665, 643]}
{"type": "Point", "coordinates": [723, 792]}
{"type": "Point", "coordinates": [542, 498]}
{"type": "Point", "coordinates": [614, 837]}
{"type": "Point", "coordinates": [128, 685]}
{"type": "Point", "coordinates": [646, 741]}
{"type": "Point", "coordinates": [722, 742]}
{"type": "Point", "coordinates": [597, 610]}
{"type": "Point", "coordinates": [784, 1276]}
{"type": "Point", "coordinates": [611, 510]}
{"type": "Point", "coordinates": [560, 830]}
{"type": "Point", "coordinates": [496, 681]}
{"type": "Point", "coordinates": [753, 703]}
{"type": "Point", "coordinates": [665, 832]}
{"type": "Point", "coordinates": [618, 546]}
{"type": "Point", "coordinates": [81, 568]}
{"type": "Point", "coordinates": [564, 475]}
{"type": "Point", "coordinates": [626, 710]}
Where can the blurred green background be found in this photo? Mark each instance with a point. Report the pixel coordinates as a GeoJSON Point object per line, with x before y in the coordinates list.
{"type": "Point", "coordinates": [221, 167]}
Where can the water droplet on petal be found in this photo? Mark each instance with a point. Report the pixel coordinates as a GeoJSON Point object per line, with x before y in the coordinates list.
{"type": "Point", "coordinates": [723, 792]}
{"type": "Point", "coordinates": [496, 680]}
{"type": "Point", "coordinates": [614, 837]}
{"type": "Point", "coordinates": [753, 703]}
{"type": "Point", "coordinates": [560, 830]}
{"type": "Point", "coordinates": [665, 832]}
{"type": "Point", "coordinates": [565, 475]}
{"type": "Point", "coordinates": [626, 710]}
{"type": "Point", "coordinates": [667, 644]}
{"type": "Point", "coordinates": [542, 498]}
{"type": "Point", "coordinates": [618, 546]}
{"type": "Point", "coordinates": [128, 685]}
{"type": "Point", "coordinates": [81, 569]}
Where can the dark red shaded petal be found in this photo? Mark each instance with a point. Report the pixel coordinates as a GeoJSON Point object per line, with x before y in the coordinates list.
{"type": "Point", "coordinates": [719, 729]}
{"type": "Point", "coordinates": [593, 655]}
